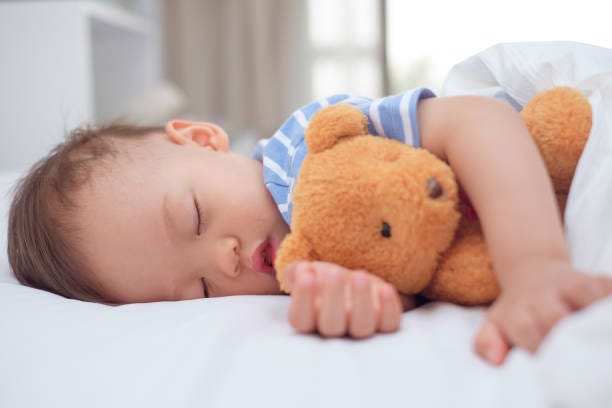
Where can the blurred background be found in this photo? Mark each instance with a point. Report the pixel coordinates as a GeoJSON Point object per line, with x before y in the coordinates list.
{"type": "Point", "coordinates": [245, 64]}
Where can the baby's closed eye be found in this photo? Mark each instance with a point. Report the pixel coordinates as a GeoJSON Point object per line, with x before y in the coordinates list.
{"type": "Point", "coordinates": [200, 216]}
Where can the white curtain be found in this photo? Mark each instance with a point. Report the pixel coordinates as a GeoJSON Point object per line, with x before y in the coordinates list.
{"type": "Point", "coordinates": [243, 63]}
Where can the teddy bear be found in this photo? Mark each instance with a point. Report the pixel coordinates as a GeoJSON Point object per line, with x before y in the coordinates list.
{"type": "Point", "coordinates": [375, 204]}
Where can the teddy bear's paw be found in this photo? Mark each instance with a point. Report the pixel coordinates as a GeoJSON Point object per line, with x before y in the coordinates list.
{"type": "Point", "coordinates": [294, 248]}
{"type": "Point", "coordinates": [465, 274]}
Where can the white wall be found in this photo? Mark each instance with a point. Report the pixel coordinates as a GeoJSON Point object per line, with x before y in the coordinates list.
{"type": "Point", "coordinates": [43, 78]}
{"type": "Point", "coordinates": [65, 63]}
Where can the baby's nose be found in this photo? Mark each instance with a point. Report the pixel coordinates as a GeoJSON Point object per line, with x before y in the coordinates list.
{"type": "Point", "coordinates": [228, 256]}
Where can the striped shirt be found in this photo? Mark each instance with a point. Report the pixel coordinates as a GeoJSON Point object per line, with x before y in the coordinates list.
{"type": "Point", "coordinates": [282, 154]}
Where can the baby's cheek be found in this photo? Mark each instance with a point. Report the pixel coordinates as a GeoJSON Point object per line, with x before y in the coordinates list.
{"type": "Point", "coordinates": [251, 215]}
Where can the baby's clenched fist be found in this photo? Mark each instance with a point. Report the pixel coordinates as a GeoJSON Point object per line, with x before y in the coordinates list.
{"type": "Point", "coordinates": [334, 301]}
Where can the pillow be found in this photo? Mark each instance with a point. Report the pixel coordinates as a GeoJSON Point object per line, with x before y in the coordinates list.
{"type": "Point", "coordinates": [7, 182]}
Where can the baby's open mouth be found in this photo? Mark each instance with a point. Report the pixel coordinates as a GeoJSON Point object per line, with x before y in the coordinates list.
{"type": "Point", "coordinates": [267, 255]}
{"type": "Point", "coordinates": [263, 257]}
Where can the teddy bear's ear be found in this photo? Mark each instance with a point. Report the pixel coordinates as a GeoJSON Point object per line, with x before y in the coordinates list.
{"type": "Point", "coordinates": [333, 123]}
{"type": "Point", "coordinates": [294, 248]}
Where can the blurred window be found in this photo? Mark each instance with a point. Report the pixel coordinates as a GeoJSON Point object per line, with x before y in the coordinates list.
{"type": "Point", "coordinates": [346, 43]}
{"type": "Point", "coordinates": [425, 39]}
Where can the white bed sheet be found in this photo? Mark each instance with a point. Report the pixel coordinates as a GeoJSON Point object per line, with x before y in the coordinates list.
{"type": "Point", "coordinates": [239, 351]}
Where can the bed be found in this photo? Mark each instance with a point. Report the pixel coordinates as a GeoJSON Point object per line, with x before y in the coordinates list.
{"type": "Point", "coordinates": [239, 351]}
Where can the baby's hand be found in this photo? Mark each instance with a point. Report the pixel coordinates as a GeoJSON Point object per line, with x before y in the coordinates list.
{"type": "Point", "coordinates": [541, 293]}
{"type": "Point", "coordinates": [335, 301]}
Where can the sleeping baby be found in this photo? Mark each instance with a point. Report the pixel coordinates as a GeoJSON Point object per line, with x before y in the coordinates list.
{"type": "Point", "coordinates": [129, 214]}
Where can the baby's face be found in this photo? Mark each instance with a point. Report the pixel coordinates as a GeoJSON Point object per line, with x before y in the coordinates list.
{"type": "Point", "coordinates": [179, 221]}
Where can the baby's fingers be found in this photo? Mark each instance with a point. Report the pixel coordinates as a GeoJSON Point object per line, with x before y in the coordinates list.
{"type": "Point", "coordinates": [551, 311]}
{"type": "Point", "coordinates": [523, 330]}
{"type": "Point", "coordinates": [390, 309]}
{"type": "Point", "coordinates": [363, 316]}
{"type": "Point", "coordinates": [490, 344]}
{"type": "Point", "coordinates": [581, 290]}
{"type": "Point", "coordinates": [302, 314]}
{"type": "Point", "coordinates": [332, 311]}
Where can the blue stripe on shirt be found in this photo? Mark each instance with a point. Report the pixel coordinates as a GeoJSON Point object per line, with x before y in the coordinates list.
{"type": "Point", "coordinates": [421, 93]}
{"type": "Point", "coordinates": [278, 158]}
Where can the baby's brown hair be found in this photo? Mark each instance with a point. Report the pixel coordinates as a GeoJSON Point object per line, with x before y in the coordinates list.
{"type": "Point", "coordinates": [42, 248]}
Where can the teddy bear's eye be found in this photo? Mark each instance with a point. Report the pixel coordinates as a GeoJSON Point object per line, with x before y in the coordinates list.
{"type": "Point", "coordinates": [385, 230]}
{"type": "Point", "coordinates": [434, 190]}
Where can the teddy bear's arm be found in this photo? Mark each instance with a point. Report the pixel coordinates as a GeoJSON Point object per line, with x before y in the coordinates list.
{"type": "Point", "coordinates": [294, 248]}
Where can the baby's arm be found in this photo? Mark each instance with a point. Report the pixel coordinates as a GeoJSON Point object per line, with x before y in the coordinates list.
{"type": "Point", "coordinates": [334, 301]}
{"type": "Point", "coordinates": [497, 163]}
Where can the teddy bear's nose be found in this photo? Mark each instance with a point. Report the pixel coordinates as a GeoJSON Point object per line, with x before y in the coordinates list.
{"type": "Point", "coordinates": [433, 188]}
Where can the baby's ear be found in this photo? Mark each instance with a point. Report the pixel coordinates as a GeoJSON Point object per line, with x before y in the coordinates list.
{"type": "Point", "coordinates": [203, 134]}
{"type": "Point", "coordinates": [333, 123]}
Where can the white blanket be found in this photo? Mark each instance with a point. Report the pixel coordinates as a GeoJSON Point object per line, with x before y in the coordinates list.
{"type": "Point", "coordinates": [575, 364]}
{"type": "Point", "coordinates": [239, 351]}
{"type": "Point", "coordinates": [514, 72]}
